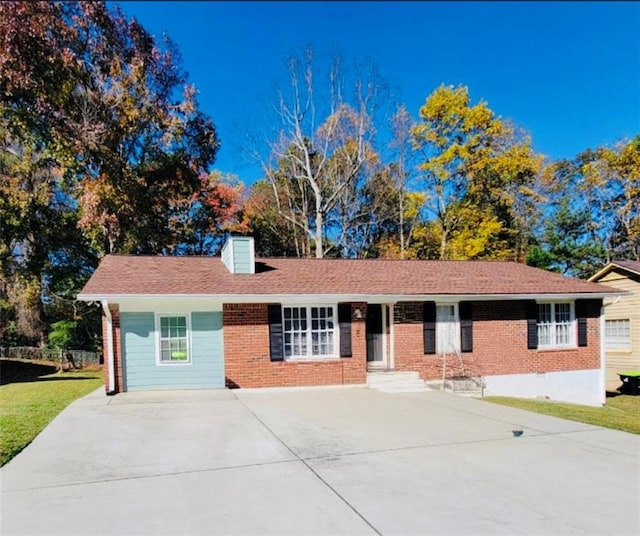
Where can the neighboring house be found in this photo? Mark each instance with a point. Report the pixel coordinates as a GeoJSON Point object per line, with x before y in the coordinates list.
{"type": "Point", "coordinates": [622, 318]}
{"type": "Point", "coordinates": [236, 321]}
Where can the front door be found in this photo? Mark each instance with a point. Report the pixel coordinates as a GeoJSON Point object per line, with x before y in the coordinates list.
{"type": "Point", "coordinates": [375, 341]}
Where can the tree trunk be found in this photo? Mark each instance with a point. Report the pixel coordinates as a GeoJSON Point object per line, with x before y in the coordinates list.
{"type": "Point", "coordinates": [402, 224]}
{"type": "Point", "coordinates": [443, 245]}
{"type": "Point", "coordinates": [319, 226]}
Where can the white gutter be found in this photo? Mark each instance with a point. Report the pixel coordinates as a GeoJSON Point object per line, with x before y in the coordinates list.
{"type": "Point", "coordinates": [111, 387]}
{"type": "Point", "coordinates": [333, 298]}
{"type": "Point", "coordinates": [603, 351]}
{"type": "Point", "coordinates": [603, 360]}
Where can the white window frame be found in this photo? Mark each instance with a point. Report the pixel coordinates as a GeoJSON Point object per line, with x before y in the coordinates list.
{"type": "Point", "coordinates": [454, 332]}
{"type": "Point", "coordinates": [181, 363]}
{"type": "Point", "coordinates": [619, 342]}
{"type": "Point", "coordinates": [554, 324]}
{"type": "Point", "coordinates": [309, 356]}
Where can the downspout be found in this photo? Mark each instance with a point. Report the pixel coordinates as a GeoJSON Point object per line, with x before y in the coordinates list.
{"type": "Point", "coordinates": [603, 352]}
{"type": "Point", "coordinates": [603, 359]}
{"type": "Point", "coordinates": [111, 387]}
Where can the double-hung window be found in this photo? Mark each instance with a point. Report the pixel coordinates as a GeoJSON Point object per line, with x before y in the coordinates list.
{"type": "Point", "coordinates": [173, 344]}
{"type": "Point", "coordinates": [309, 332]}
{"type": "Point", "coordinates": [447, 329]}
{"type": "Point", "coordinates": [617, 334]}
{"type": "Point", "coordinates": [556, 325]}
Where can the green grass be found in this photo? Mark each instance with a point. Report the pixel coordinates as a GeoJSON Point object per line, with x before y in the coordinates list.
{"type": "Point", "coordinates": [31, 396]}
{"type": "Point", "coordinates": [621, 412]}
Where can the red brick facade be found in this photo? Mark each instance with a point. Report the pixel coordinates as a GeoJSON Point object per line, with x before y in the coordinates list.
{"type": "Point", "coordinates": [499, 344]}
{"type": "Point", "coordinates": [499, 347]}
{"type": "Point", "coordinates": [246, 353]}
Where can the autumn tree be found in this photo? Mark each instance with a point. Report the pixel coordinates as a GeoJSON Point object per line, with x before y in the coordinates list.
{"type": "Point", "coordinates": [404, 202]}
{"type": "Point", "coordinates": [103, 143]}
{"type": "Point", "coordinates": [323, 147]}
{"type": "Point", "coordinates": [592, 210]}
{"type": "Point", "coordinates": [607, 180]}
{"type": "Point", "coordinates": [479, 174]}
{"type": "Point", "coordinates": [198, 222]}
{"type": "Point", "coordinates": [275, 235]}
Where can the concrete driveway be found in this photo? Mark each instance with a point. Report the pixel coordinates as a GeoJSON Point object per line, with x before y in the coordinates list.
{"type": "Point", "coordinates": [318, 461]}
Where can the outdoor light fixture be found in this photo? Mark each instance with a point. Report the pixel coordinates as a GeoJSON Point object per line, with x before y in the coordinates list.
{"type": "Point", "coordinates": [357, 313]}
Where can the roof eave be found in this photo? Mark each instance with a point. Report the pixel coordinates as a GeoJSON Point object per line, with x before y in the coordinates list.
{"type": "Point", "coordinates": [609, 267]}
{"type": "Point", "coordinates": [334, 298]}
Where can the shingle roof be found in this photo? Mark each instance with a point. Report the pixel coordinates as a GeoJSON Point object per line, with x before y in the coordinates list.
{"type": "Point", "coordinates": [630, 266]}
{"type": "Point", "coordinates": [633, 266]}
{"type": "Point", "coordinates": [155, 275]}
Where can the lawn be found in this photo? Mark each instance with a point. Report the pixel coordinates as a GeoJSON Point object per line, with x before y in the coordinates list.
{"type": "Point", "coordinates": [31, 395]}
{"type": "Point", "coordinates": [621, 412]}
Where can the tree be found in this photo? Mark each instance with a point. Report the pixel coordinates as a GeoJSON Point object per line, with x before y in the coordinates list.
{"type": "Point", "coordinates": [197, 223]}
{"type": "Point", "coordinates": [61, 334]}
{"type": "Point", "coordinates": [404, 203]}
{"type": "Point", "coordinates": [565, 245]}
{"type": "Point", "coordinates": [275, 236]}
{"type": "Point", "coordinates": [320, 151]}
{"type": "Point", "coordinates": [113, 110]}
{"type": "Point", "coordinates": [609, 179]}
{"type": "Point", "coordinates": [603, 183]}
{"type": "Point", "coordinates": [104, 149]}
{"type": "Point", "coordinates": [473, 163]}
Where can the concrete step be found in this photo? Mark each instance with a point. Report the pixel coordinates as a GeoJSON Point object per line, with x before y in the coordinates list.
{"type": "Point", "coordinates": [470, 394]}
{"type": "Point", "coordinates": [433, 385]}
{"type": "Point", "coordinates": [470, 383]}
{"type": "Point", "coordinates": [386, 378]}
{"type": "Point", "coordinates": [400, 389]}
{"type": "Point", "coordinates": [472, 387]}
{"type": "Point", "coordinates": [395, 382]}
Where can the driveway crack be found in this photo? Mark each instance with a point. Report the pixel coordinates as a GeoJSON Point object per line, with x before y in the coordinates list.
{"type": "Point", "coordinates": [311, 469]}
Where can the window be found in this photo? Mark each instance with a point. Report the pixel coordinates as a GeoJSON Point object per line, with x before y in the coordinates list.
{"type": "Point", "coordinates": [308, 332]}
{"type": "Point", "coordinates": [174, 343]}
{"type": "Point", "coordinates": [555, 325]}
{"type": "Point", "coordinates": [447, 329]}
{"type": "Point", "coordinates": [617, 335]}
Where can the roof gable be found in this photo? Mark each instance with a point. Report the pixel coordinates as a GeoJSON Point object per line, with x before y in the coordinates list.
{"type": "Point", "coordinates": [631, 267]}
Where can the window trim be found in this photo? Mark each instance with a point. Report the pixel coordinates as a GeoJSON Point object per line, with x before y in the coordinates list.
{"type": "Point", "coordinates": [335, 330]}
{"type": "Point", "coordinates": [617, 348]}
{"type": "Point", "coordinates": [573, 343]}
{"type": "Point", "coordinates": [457, 349]}
{"type": "Point", "coordinates": [189, 360]}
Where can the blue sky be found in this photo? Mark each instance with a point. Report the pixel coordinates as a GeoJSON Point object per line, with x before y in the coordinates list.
{"type": "Point", "coordinates": [568, 72]}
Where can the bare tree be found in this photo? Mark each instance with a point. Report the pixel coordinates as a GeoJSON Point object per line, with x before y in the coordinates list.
{"type": "Point", "coordinates": [400, 144]}
{"type": "Point", "coordinates": [323, 145]}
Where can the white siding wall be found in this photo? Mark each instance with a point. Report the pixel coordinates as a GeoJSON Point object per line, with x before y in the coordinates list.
{"type": "Point", "coordinates": [576, 386]}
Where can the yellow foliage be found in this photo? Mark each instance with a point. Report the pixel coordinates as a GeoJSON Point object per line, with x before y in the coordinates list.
{"type": "Point", "coordinates": [475, 237]}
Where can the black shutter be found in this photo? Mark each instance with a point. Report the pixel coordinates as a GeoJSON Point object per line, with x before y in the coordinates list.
{"type": "Point", "coordinates": [466, 327]}
{"type": "Point", "coordinates": [344, 321]}
{"type": "Point", "coordinates": [532, 325]}
{"type": "Point", "coordinates": [581, 314]}
{"type": "Point", "coordinates": [429, 327]}
{"type": "Point", "coordinates": [276, 346]}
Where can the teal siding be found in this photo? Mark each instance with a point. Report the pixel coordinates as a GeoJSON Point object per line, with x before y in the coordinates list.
{"type": "Point", "coordinates": [226, 257]}
{"type": "Point", "coordinates": [141, 372]}
{"type": "Point", "coordinates": [242, 255]}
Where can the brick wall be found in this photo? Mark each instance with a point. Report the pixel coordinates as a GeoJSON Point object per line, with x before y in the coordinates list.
{"type": "Point", "coordinates": [117, 349]}
{"type": "Point", "coordinates": [499, 343]}
{"type": "Point", "coordinates": [246, 353]}
{"type": "Point", "coordinates": [499, 347]}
